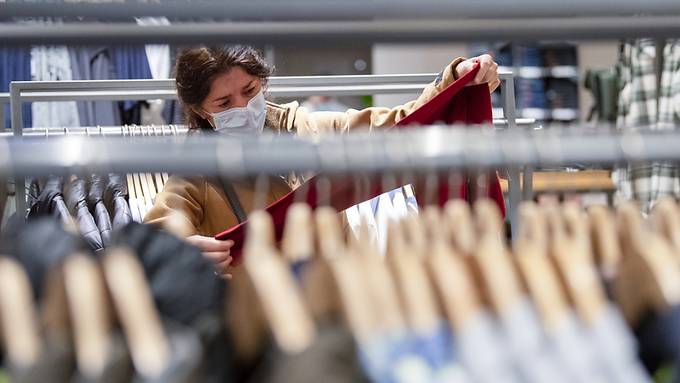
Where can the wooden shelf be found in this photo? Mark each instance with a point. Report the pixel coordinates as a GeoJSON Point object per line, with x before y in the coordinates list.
{"type": "Point", "coordinates": [581, 181]}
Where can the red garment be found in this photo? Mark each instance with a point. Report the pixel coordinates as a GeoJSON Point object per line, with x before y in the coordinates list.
{"type": "Point", "coordinates": [457, 103]}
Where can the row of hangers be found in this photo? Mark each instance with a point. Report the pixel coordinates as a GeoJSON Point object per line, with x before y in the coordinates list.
{"type": "Point", "coordinates": [85, 300]}
{"type": "Point", "coordinates": [453, 263]}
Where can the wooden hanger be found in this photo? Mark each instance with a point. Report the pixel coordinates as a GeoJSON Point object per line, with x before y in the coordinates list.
{"type": "Point", "coordinates": [649, 276]}
{"type": "Point", "coordinates": [135, 308]}
{"type": "Point", "coordinates": [454, 285]}
{"type": "Point", "coordinates": [319, 285]}
{"type": "Point", "coordinates": [132, 198]}
{"type": "Point", "coordinates": [572, 254]}
{"type": "Point", "coordinates": [334, 283]}
{"type": "Point", "coordinates": [298, 237]}
{"type": "Point", "coordinates": [382, 288]}
{"type": "Point", "coordinates": [291, 325]}
{"type": "Point", "coordinates": [666, 220]}
{"type": "Point", "coordinates": [458, 216]}
{"type": "Point", "coordinates": [538, 275]}
{"type": "Point", "coordinates": [604, 237]}
{"type": "Point", "coordinates": [90, 313]}
{"type": "Point", "coordinates": [18, 317]}
{"type": "Point", "coordinates": [142, 194]}
{"type": "Point", "coordinates": [492, 265]}
{"type": "Point", "coordinates": [415, 291]}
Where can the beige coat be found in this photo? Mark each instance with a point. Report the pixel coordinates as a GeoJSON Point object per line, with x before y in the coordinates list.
{"type": "Point", "coordinates": [205, 208]}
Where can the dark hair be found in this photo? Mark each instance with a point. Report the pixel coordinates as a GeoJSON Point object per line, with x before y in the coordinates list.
{"type": "Point", "coordinates": [197, 68]}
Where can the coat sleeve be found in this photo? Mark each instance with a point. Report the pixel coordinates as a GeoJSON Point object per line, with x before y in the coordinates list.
{"type": "Point", "coordinates": [183, 196]}
{"type": "Point", "coordinates": [307, 123]}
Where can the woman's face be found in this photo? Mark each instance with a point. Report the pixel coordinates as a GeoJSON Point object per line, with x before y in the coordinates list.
{"type": "Point", "coordinates": [228, 90]}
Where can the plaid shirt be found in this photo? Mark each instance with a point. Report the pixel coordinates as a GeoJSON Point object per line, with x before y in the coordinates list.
{"type": "Point", "coordinates": [644, 105]}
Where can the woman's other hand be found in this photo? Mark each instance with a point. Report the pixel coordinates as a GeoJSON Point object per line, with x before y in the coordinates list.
{"type": "Point", "coordinates": [218, 252]}
{"type": "Point", "coordinates": [488, 71]}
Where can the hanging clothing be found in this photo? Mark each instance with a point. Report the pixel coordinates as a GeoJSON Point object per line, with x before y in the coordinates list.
{"type": "Point", "coordinates": [95, 202]}
{"type": "Point", "coordinates": [50, 201]}
{"type": "Point", "coordinates": [52, 63]}
{"type": "Point", "coordinates": [116, 201]}
{"type": "Point", "coordinates": [648, 101]}
{"type": "Point", "coordinates": [158, 56]}
{"type": "Point", "coordinates": [457, 103]}
{"type": "Point", "coordinates": [131, 64]}
{"type": "Point", "coordinates": [94, 63]}
{"type": "Point", "coordinates": [15, 65]}
{"type": "Point", "coordinates": [76, 195]}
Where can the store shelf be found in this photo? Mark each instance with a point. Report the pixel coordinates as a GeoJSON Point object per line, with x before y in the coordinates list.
{"type": "Point", "coordinates": [581, 181]}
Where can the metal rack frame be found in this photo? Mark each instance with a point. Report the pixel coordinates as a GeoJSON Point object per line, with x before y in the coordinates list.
{"type": "Point", "coordinates": [347, 33]}
{"type": "Point", "coordinates": [341, 10]}
{"type": "Point", "coordinates": [430, 148]}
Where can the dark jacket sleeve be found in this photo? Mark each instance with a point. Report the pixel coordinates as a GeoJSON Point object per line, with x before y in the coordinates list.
{"type": "Point", "coordinates": [95, 202]}
{"type": "Point", "coordinates": [115, 200]}
{"type": "Point", "coordinates": [76, 194]}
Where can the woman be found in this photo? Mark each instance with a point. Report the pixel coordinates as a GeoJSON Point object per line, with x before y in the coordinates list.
{"type": "Point", "coordinates": [222, 90]}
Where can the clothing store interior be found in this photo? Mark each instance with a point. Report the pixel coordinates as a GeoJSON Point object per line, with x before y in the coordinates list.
{"type": "Point", "coordinates": [339, 191]}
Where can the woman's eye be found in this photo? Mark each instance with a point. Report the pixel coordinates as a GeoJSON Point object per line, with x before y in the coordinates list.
{"type": "Point", "coordinates": [250, 91]}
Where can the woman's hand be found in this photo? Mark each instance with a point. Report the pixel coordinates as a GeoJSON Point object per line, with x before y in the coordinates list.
{"type": "Point", "coordinates": [488, 71]}
{"type": "Point", "coordinates": [218, 252]}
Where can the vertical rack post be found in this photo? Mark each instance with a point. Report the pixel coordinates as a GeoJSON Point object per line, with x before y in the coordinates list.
{"type": "Point", "coordinates": [510, 115]}
{"type": "Point", "coordinates": [15, 104]}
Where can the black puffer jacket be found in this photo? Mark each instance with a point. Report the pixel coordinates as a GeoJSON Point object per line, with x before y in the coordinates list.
{"type": "Point", "coordinates": [76, 194]}
{"type": "Point", "coordinates": [95, 201]}
{"type": "Point", "coordinates": [115, 199]}
{"type": "Point", "coordinates": [50, 201]}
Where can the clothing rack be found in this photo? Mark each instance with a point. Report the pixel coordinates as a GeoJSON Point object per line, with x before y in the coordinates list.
{"type": "Point", "coordinates": [417, 150]}
{"type": "Point", "coordinates": [284, 86]}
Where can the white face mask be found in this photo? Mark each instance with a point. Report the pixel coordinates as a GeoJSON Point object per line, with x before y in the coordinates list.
{"type": "Point", "coordinates": [242, 122]}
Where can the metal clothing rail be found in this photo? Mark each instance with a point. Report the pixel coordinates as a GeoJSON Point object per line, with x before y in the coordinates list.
{"type": "Point", "coordinates": [283, 86]}
{"type": "Point", "coordinates": [435, 148]}
{"type": "Point", "coordinates": [347, 9]}
{"type": "Point", "coordinates": [416, 150]}
{"type": "Point", "coordinates": [347, 33]}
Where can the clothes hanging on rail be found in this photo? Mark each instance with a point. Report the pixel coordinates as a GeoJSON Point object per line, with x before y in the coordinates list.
{"type": "Point", "coordinates": [76, 201]}
{"type": "Point", "coordinates": [52, 63]}
{"type": "Point", "coordinates": [15, 65]}
{"type": "Point", "coordinates": [94, 63]}
{"type": "Point", "coordinates": [158, 56]}
{"type": "Point", "coordinates": [649, 100]}
{"type": "Point", "coordinates": [131, 63]}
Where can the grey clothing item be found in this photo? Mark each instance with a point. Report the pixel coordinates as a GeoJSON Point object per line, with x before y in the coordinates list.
{"type": "Point", "coordinates": [576, 352]}
{"type": "Point", "coordinates": [535, 360]}
{"type": "Point", "coordinates": [483, 353]}
{"type": "Point", "coordinates": [617, 348]}
{"type": "Point", "coordinates": [94, 63]}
